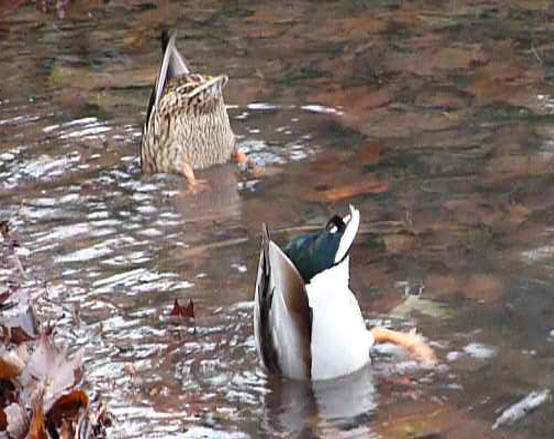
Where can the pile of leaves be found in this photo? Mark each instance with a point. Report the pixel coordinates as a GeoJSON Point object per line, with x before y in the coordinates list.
{"type": "Point", "coordinates": [40, 387]}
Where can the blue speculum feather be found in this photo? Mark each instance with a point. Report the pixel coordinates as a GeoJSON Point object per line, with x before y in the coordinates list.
{"type": "Point", "coordinates": [314, 253]}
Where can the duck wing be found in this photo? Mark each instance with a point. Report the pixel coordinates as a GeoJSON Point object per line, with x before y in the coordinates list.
{"type": "Point", "coordinates": [282, 315]}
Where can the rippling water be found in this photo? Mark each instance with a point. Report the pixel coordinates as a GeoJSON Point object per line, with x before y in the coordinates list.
{"type": "Point", "coordinates": [449, 159]}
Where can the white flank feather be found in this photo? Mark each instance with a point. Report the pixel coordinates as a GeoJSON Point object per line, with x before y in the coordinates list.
{"type": "Point", "coordinates": [340, 340]}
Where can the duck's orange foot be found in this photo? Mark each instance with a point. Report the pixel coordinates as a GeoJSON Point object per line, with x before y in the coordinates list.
{"type": "Point", "coordinates": [238, 157]}
{"type": "Point", "coordinates": [242, 159]}
{"type": "Point", "coordinates": [195, 185]}
{"type": "Point", "coordinates": [411, 341]}
{"type": "Point", "coordinates": [420, 350]}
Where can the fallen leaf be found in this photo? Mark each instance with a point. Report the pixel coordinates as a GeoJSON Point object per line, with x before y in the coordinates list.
{"type": "Point", "coordinates": [19, 319]}
{"type": "Point", "coordinates": [66, 407]}
{"type": "Point", "coordinates": [186, 312]}
{"type": "Point", "coordinates": [50, 367]}
{"type": "Point", "coordinates": [17, 420]}
{"type": "Point", "coordinates": [370, 185]}
{"type": "Point", "coordinates": [18, 336]}
{"type": "Point", "coordinates": [11, 365]}
{"type": "Point", "coordinates": [37, 428]}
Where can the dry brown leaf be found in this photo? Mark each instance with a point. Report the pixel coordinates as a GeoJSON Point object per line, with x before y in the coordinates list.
{"type": "Point", "coordinates": [185, 312]}
{"type": "Point", "coordinates": [19, 319]}
{"type": "Point", "coordinates": [67, 407]}
{"type": "Point", "coordinates": [370, 185]}
{"type": "Point", "coordinates": [37, 429]}
{"type": "Point", "coordinates": [18, 336]}
{"type": "Point", "coordinates": [50, 367]}
{"type": "Point", "coordinates": [3, 420]}
{"type": "Point", "coordinates": [11, 365]}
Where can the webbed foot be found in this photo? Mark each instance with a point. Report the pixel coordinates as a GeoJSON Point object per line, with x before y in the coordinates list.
{"type": "Point", "coordinates": [195, 185]}
{"type": "Point", "coordinates": [411, 341]}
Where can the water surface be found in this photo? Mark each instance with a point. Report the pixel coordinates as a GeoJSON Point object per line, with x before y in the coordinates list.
{"type": "Point", "coordinates": [434, 118]}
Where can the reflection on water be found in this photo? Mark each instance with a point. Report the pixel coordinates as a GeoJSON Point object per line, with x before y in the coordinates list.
{"type": "Point", "coordinates": [434, 119]}
{"type": "Point", "coordinates": [321, 408]}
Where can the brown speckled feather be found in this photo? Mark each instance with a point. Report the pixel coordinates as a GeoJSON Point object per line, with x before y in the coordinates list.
{"type": "Point", "coordinates": [186, 120]}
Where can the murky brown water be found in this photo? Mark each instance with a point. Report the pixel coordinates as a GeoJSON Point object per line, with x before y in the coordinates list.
{"type": "Point", "coordinates": [435, 118]}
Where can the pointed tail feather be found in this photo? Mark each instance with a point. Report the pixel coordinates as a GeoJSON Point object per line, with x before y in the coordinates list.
{"type": "Point", "coordinates": [173, 64]}
{"type": "Point", "coordinates": [262, 307]}
{"type": "Point", "coordinates": [177, 65]}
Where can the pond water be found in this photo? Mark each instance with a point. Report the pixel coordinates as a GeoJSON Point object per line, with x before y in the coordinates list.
{"type": "Point", "coordinates": [436, 119]}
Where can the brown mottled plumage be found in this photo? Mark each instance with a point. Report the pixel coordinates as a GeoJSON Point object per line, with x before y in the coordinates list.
{"type": "Point", "coordinates": [187, 126]}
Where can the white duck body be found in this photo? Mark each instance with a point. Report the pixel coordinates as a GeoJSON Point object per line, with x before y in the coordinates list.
{"type": "Point", "coordinates": [340, 341]}
{"type": "Point", "coordinates": [307, 322]}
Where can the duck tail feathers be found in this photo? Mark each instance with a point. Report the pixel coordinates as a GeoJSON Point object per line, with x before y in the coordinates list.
{"type": "Point", "coordinates": [173, 64]}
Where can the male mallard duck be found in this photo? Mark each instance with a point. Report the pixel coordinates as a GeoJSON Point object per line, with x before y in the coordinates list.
{"type": "Point", "coordinates": [187, 126]}
{"type": "Point", "coordinates": [307, 321]}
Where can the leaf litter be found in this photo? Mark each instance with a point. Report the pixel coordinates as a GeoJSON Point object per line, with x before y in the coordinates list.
{"type": "Point", "coordinates": [41, 394]}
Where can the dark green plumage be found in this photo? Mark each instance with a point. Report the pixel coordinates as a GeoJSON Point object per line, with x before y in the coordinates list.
{"type": "Point", "coordinates": [314, 253]}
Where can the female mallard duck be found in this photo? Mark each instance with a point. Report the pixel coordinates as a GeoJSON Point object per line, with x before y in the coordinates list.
{"type": "Point", "coordinates": [307, 321]}
{"type": "Point", "coordinates": [187, 126]}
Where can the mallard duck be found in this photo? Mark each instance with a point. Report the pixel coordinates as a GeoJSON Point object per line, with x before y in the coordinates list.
{"type": "Point", "coordinates": [307, 321]}
{"type": "Point", "coordinates": [187, 126]}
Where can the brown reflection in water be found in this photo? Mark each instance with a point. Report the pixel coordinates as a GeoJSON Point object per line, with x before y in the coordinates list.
{"type": "Point", "coordinates": [217, 200]}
